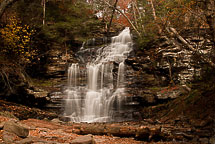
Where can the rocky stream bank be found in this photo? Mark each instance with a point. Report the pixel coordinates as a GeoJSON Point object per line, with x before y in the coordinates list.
{"type": "Point", "coordinates": [186, 119]}
{"type": "Point", "coordinates": [179, 130]}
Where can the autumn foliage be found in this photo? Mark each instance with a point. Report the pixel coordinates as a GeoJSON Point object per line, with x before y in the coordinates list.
{"type": "Point", "coordinates": [16, 39]}
{"type": "Point", "coordinates": [124, 5]}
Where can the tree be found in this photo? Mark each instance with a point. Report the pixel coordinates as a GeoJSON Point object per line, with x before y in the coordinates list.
{"type": "Point", "coordinates": [170, 17]}
{"type": "Point", "coordinates": [112, 17]}
{"type": "Point", "coordinates": [16, 40]}
{"type": "Point", "coordinates": [44, 11]}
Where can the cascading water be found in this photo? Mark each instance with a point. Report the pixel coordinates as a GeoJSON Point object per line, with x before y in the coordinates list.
{"type": "Point", "coordinates": [101, 97]}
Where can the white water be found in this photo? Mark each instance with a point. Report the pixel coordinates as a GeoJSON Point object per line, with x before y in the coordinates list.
{"type": "Point", "coordinates": [100, 98]}
{"type": "Point", "coordinates": [73, 73]}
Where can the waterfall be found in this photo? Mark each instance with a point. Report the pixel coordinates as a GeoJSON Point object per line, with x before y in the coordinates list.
{"type": "Point", "coordinates": [100, 97]}
{"type": "Point", "coordinates": [73, 73]}
{"type": "Point", "coordinates": [120, 75]}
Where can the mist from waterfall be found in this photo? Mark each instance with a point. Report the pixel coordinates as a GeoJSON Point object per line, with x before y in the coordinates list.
{"type": "Point", "coordinates": [102, 95]}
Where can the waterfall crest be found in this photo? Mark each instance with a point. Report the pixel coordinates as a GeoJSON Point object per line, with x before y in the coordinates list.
{"type": "Point", "coordinates": [102, 95]}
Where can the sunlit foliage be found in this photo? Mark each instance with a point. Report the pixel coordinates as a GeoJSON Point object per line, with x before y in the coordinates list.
{"type": "Point", "coordinates": [17, 39]}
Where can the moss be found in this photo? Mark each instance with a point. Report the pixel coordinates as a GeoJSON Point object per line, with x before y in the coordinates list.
{"type": "Point", "coordinates": [42, 82]}
{"type": "Point", "coordinates": [155, 88]}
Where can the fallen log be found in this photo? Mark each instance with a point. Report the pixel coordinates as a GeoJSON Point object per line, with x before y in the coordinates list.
{"type": "Point", "coordinates": [146, 133]}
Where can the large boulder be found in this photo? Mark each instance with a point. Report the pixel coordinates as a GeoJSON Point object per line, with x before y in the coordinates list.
{"type": "Point", "coordinates": [16, 128]}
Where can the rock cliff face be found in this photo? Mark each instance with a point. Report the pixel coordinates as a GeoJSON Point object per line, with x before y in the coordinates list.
{"type": "Point", "coordinates": [180, 63]}
{"type": "Point", "coordinates": [161, 71]}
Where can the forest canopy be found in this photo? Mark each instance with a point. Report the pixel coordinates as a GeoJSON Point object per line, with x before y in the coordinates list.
{"type": "Point", "coordinates": [63, 21]}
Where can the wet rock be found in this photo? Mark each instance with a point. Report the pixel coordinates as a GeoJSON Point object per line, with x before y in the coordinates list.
{"type": "Point", "coordinates": [87, 139]}
{"type": "Point", "coordinates": [16, 128]}
{"type": "Point", "coordinates": [97, 41]}
{"type": "Point", "coordinates": [37, 92]}
{"type": "Point", "coordinates": [64, 119]}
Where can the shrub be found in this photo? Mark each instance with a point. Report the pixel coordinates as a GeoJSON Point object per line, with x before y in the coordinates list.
{"type": "Point", "coordinates": [16, 39]}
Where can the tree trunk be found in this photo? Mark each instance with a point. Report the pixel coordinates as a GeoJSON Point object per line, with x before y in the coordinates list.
{"type": "Point", "coordinates": [135, 15]}
{"type": "Point", "coordinates": [124, 16]}
{"type": "Point", "coordinates": [114, 9]}
{"type": "Point", "coordinates": [5, 4]}
{"type": "Point", "coordinates": [44, 11]}
{"type": "Point", "coordinates": [154, 15]}
{"type": "Point", "coordinates": [140, 16]}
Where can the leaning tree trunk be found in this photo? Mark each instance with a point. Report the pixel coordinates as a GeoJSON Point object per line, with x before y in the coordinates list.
{"type": "Point", "coordinates": [125, 16]}
{"type": "Point", "coordinates": [114, 9]}
{"type": "Point", "coordinates": [155, 16]}
{"type": "Point", "coordinates": [5, 4]}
